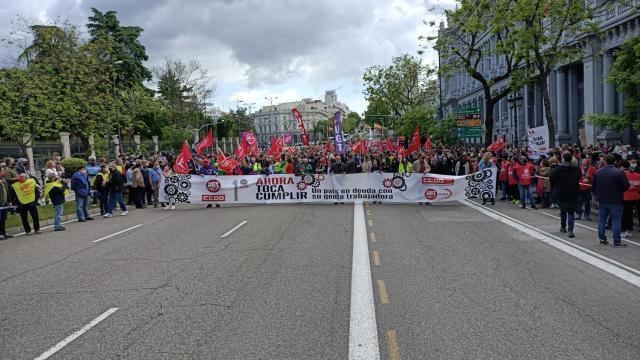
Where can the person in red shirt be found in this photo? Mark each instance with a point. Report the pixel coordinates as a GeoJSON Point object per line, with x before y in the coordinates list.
{"type": "Point", "coordinates": [584, 199]}
{"type": "Point", "coordinates": [522, 172]}
{"type": "Point", "coordinates": [631, 197]}
{"type": "Point", "coordinates": [288, 169]}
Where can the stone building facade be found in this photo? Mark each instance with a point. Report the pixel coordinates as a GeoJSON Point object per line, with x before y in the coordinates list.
{"type": "Point", "coordinates": [576, 89]}
{"type": "Point", "coordinates": [275, 120]}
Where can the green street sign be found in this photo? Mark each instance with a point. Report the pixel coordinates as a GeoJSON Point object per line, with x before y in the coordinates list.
{"type": "Point", "coordinates": [469, 111]}
{"type": "Point", "coordinates": [470, 132]}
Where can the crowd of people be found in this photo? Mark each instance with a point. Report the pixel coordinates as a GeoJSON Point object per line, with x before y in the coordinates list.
{"type": "Point", "coordinates": [566, 178]}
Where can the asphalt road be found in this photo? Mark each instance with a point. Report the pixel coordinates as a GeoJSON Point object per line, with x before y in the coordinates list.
{"type": "Point", "coordinates": [448, 282]}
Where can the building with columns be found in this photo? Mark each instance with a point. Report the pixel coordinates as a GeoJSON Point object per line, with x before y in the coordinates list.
{"type": "Point", "coordinates": [276, 119]}
{"type": "Point", "coordinates": [576, 89]}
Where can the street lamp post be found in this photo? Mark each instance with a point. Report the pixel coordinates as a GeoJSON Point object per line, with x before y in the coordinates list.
{"type": "Point", "coordinates": [115, 106]}
{"type": "Point", "coordinates": [515, 103]}
{"type": "Point", "coordinates": [271, 100]}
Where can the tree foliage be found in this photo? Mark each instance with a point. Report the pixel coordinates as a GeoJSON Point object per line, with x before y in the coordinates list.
{"type": "Point", "coordinates": [477, 35]}
{"type": "Point", "coordinates": [126, 45]}
{"type": "Point", "coordinates": [403, 85]}
{"type": "Point", "coordinates": [625, 75]}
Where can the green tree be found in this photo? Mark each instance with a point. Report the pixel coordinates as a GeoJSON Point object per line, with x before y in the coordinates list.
{"type": "Point", "coordinates": [540, 29]}
{"type": "Point", "coordinates": [445, 131]}
{"type": "Point", "coordinates": [184, 88]}
{"type": "Point", "coordinates": [323, 128]}
{"type": "Point", "coordinates": [476, 32]}
{"type": "Point", "coordinates": [377, 112]}
{"type": "Point", "coordinates": [403, 85]}
{"type": "Point", "coordinates": [173, 136]}
{"type": "Point", "coordinates": [625, 75]}
{"type": "Point", "coordinates": [25, 107]}
{"type": "Point", "coordinates": [422, 117]}
{"type": "Point", "coordinates": [127, 46]}
{"type": "Point", "coordinates": [351, 122]}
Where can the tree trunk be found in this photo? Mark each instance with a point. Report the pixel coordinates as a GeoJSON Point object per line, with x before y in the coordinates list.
{"type": "Point", "coordinates": [547, 110]}
{"type": "Point", "coordinates": [488, 119]}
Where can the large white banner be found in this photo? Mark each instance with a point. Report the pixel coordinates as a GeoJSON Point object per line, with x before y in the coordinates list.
{"type": "Point", "coordinates": [282, 189]}
{"type": "Point", "coordinates": [538, 141]}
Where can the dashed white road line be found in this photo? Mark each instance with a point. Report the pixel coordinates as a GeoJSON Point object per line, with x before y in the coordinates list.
{"type": "Point", "coordinates": [363, 331]}
{"type": "Point", "coordinates": [611, 266]}
{"type": "Point", "coordinates": [234, 229]}
{"type": "Point", "coordinates": [116, 233]}
{"type": "Point", "coordinates": [588, 227]}
{"type": "Point", "coordinates": [57, 347]}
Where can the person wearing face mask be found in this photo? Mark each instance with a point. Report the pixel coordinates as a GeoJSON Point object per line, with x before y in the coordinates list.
{"type": "Point", "coordinates": [27, 193]}
{"type": "Point", "coordinates": [584, 199]}
{"type": "Point", "coordinates": [80, 186]}
{"type": "Point", "coordinates": [631, 197]}
{"type": "Point", "coordinates": [100, 187]}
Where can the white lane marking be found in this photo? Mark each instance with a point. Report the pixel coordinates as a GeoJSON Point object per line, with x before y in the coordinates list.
{"type": "Point", "coordinates": [590, 252]}
{"type": "Point", "coordinates": [363, 331]}
{"type": "Point", "coordinates": [589, 227]}
{"type": "Point", "coordinates": [577, 251]}
{"type": "Point", "coordinates": [116, 233]}
{"type": "Point", "coordinates": [57, 347]}
{"type": "Point", "coordinates": [234, 229]}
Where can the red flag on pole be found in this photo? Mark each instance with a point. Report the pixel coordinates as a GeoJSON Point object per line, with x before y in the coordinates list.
{"type": "Point", "coordinates": [221, 156]}
{"type": "Point", "coordinates": [227, 165]}
{"type": "Point", "coordinates": [242, 150]}
{"type": "Point", "coordinates": [415, 142]}
{"type": "Point", "coordinates": [328, 146]}
{"type": "Point", "coordinates": [205, 143]}
{"type": "Point", "coordinates": [182, 161]}
{"type": "Point", "coordinates": [357, 147]}
{"type": "Point", "coordinates": [389, 145]}
{"type": "Point", "coordinates": [497, 145]}
{"type": "Point", "coordinates": [428, 146]}
{"type": "Point", "coordinates": [303, 131]}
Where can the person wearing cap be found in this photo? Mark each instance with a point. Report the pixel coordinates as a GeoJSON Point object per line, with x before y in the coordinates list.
{"type": "Point", "coordinates": [80, 186]}
{"type": "Point", "coordinates": [21, 167]}
{"type": "Point", "coordinates": [26, 193]}
{"type": "Point", "coordinates": [56, 191]}
{"type": "Point", "coordinates": [5, 201]}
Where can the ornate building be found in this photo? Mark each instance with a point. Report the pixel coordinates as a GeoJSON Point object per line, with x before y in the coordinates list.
{"type": "Point", "coordinates": [275, 120]}
{"type": "Point", "coordinates": [576, 89]}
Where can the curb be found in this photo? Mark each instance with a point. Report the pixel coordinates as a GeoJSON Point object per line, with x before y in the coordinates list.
{"type": "Point", "coordinates": [48, 222]}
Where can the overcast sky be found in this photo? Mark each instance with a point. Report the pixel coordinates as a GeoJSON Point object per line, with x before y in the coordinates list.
{"type": "Point", "coordinates": [259, 48]}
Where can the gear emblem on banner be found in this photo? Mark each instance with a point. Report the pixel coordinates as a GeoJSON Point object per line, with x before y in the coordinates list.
{"type": "Point", "coordinates": [302, 186]}
{"type": "Point", "coordinates": [480, 184]}
{"type": "Point", "coordinates": [178, 189]}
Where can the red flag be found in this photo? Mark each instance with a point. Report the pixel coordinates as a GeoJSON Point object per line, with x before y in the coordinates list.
{"type": "Point", "coordinates": [182, 161]}
{"type": "Point", "coordinates": [389, 145]}
{"type": "Point", "coordinates": [357, 147]}
{"type": "Point", "coordinates": [291, 150]}
{"type": "Point", "coordinates": [221, 156]}
{"type": "Point", "coordinates": [497, 145]}
{"type": "Point", "coordinates": [274, 149]}
{"type": "Point", "coordinates": [250, 138]}
{"type": "Point", "coordinates": [328, 146]}
{"type": "Point", "coordinates": [242, 150]}
{"type": "Point", "coordinates": [303, 131]}
{"type": "Point", "coordinates": [227, 165]}
{"type": "Point", "coordinates": [428, 146]}
{"type": "Point", "coordinates": [366, 146]}
{"type": "Point", "coordinates": [415, 142]}
{"type": "Point", "coordinates": [205, 143]}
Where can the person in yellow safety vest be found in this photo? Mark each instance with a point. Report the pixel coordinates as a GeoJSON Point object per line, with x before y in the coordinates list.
{"type": "Point", "coordinates": [55, 190]}
{"type": "Point", "coordinates": [257, 167]}
{"type": "Point", "coordinates": [27, 194]}
{"type": "Point", "coordinates": [100, 186]}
